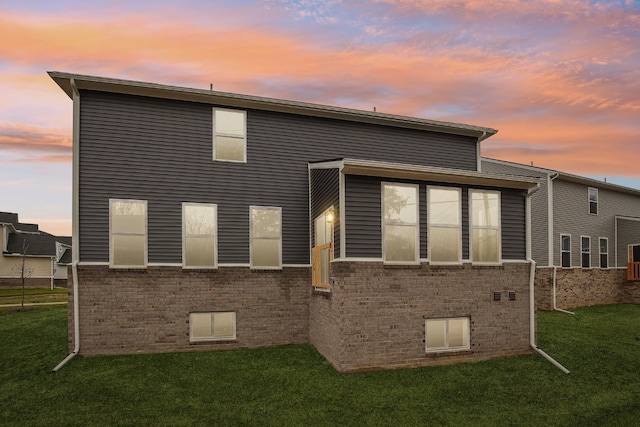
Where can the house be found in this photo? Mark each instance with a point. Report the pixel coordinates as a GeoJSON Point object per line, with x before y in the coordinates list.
{"type": "Point", "coordinates": [46, 257]}
{"type": "Point", "coordinates": [210, 220]}
{"type": "Point", "coordinates": [583, 232]}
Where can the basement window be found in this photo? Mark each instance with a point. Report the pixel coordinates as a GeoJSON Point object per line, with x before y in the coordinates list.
{"type": "Point", "coordinates": [446, 334]}
{"type": "Point", "coordinates": [216, 326]}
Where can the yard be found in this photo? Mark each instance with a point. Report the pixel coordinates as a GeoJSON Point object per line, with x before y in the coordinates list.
{"type": "Point", "coordinates": [296, 386]}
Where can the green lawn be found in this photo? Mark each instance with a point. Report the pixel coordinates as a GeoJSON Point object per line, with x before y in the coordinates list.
{"type": "Point", "coordinates": [296, 386]}
{"type": "Point", "coordinates": [31, 295]}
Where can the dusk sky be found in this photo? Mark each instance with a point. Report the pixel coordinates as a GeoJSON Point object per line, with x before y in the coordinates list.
{"type": "Point", "coordinates": [560, 80]}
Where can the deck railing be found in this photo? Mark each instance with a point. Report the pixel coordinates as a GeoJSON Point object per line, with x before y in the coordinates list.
{"type": "Point", "coordinates": [633, 271]}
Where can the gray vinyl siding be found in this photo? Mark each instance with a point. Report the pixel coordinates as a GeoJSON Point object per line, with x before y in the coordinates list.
{"type": "Point", "coordinates": [514, 228]}
{"type": "Point", "coordinates": [160, 150]}
{"type": "Point", "coordinates": [628, 234]}
{"type": "Point", "coordinates": [325, 193]}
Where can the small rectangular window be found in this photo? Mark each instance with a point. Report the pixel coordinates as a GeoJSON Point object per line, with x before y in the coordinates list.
{"type": "Point", "coordinates": [565, 250]}
{"type": "Point", "coordinates": [128, 233]}
{"type": "Point", "coordinates": [229, 135]}
{"type": "Point", "coordinates": [447, 334]}
{"type": "Point", "coordinates": [212, 326]}
{"type": "Point", "coordinates": [593, 200]}
{"type": "Point", "coordinates": [199, 235]}
{"type": "Point", "coordinates": [485, 226]}
{"type": "Point", "coordinates": [400, 223]}
{"type": "Point", "coordinates": [444, 234]}
{"type": "Point", "coordinates": [585, 251]}
{"type": "Point", "coordinates": [604, 252]}
{"type": "Point", "coordinates": [266, 237]}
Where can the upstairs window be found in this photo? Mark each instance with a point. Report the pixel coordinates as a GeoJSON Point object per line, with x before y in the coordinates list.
{"type": "Point", "coordinates": [593, 201]}
{"type": "Point", "coordinates": [565, 250]}
{"type": "Point", "coordinates": [199, 235]}
{"type": "Point", "coordinates": [400, 223]}
{"type": "Point", "coordinates": [585, 251]}
{"type": "Point", "coordinates": [266, 237]}
{"type": "Point", "coordinates": [128, 233]}
{"type": "Point", "coordinates": [445, 232]}
{"type": "Point", "coordinates": [229, 135]}
{"type": "Point", "coordinates": [485, 226]}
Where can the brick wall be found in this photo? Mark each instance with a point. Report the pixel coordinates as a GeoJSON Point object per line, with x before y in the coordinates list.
{"type": "Point", "coordinates": [375, 315]}
{"type": "Point", "coordinates": [130, 311]}
{"type": "Point", "coordinates": [577, 287]}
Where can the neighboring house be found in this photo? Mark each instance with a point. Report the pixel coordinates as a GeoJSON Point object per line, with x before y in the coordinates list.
{"type": "Point", "coordinates": [582, 231]}
{"type": "Point", "coordinates": [46, 257]}
{"type": "Point", "coordinates": [211, 220]}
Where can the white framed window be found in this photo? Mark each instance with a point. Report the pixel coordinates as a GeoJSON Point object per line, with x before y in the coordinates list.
{"type": "Point", "coordinates": [444, 234]}
{"type": "Point", "coordinates": [400, 223]}
{"type": "Point", "coordinates": [604, 252]}
{"type": "Point", "coordinates": [214, 326]}
{"type": "Point", "coordinates": [266, 237]}
{"type": "Point", "coordinates": [485, 227]}
{"type": "Point", "coordinates": [199, 235]}
{"type": "Point", "coordinates": [229, 135]}
{"type": "Point", "coordinates": [585, 251]}
{"type": "Point", "coordinates": [593, 200]}
{"type": "Point", "coordinates": [446, 334]}
{"type": "Point", "coordinates": [565, 250]}
{"type": "Point", "coordinates": [127, 233]}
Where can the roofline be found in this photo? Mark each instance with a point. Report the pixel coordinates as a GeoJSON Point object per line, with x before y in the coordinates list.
{"type": "Point", "coordinates": [130, 87]}
{"type": "Point", "coordinates": [440, 175]}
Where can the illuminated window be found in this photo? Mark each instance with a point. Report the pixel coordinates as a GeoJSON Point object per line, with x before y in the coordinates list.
{"type": "Point", "coordinates": [128, 233]}
{"type": "Point", "coordinates": [212, 326]}
{"type": "Point", "coordinates": [485, 226]}
{"type": "Point", "coordinates": [266, 237]}
{"type": "Point", "coordinates": [444, 234]}
{"type": "Point", "coordinates": [199, 235]}
{"type": "Point", "coordinates": [447, 334]}
{"type": "Point", "coordinates": [229, 135]}
{"type": "Point", "coordinates": [400, 223]}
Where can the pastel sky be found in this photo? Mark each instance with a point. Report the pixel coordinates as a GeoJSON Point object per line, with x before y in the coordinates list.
{"type": "Point", "coordinates": [560, 80]}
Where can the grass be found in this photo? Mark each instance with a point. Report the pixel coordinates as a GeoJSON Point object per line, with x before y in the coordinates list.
{"type": "Point", "coordinates": [295, 386]}
{"type": "Point", "coordinates": [31, 295]}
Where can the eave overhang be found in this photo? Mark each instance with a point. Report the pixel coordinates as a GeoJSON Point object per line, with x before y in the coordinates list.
{"type": "Point", "coordinates": [129, 87]}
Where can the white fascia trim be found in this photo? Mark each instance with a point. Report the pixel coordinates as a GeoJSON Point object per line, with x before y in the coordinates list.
{"type": "Point", "coordinates": [332, 164]}
{"type": "Point", "coordinates": [29, 256]}
{"type": "Point", "coordinates": [341, 208]}
{"type": "Point", "coordinates": [356, 259]}
{"type": "Point", "coordinates": [172, 264]}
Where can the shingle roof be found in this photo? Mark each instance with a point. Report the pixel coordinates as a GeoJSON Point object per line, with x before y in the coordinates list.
{"type": "Point", "coordinates": [12, 218]}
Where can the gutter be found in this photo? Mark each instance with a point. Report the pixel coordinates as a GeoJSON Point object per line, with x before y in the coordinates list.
{"type": "Point", "coordinates": [555, 307]}
{"type": "Point", "coordinates": [76, 319]}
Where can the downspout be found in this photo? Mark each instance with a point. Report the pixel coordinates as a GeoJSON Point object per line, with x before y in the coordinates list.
{"type": "Point", "coordinates": [76, 227]}
{"type": "Point", "coordinates": [532, 296]}
{"type": "Point", "coordinates": [555, 307]}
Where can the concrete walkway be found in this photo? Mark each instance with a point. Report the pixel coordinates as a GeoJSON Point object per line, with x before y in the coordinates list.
{"type": "Point", "coordinates": [32, 304]}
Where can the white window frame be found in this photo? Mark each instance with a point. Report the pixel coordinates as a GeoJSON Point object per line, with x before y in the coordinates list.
{"type": "Point", "coordinates": [458, 227]}
{"type": "Point", "coordinates": [214, 236]}
{"type": "Point", "coordinates": [472, 227]}
{"type": "Point", "coordinates": [242, 137]}
{"type": "Point", "coordinates": [213, 314]}
{"type": "Point", "coordinates": [251, 238]}
{"type": "Point", "coordinates": [596, 202]}
{"type": "Point", "coordinates": [447, 347]}
{"type": "Point", "coordinates": [600, 253]}
{"type": "Point", "coordinates": [562, 236]}
{"type": "Point", "coordinates": [416, 225]}
{"type": "Point", "coordinates": [583, 252]}
{"type": "Point", "coordinates": [112, 234]}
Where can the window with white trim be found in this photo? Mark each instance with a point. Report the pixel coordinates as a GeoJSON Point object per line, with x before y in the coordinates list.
{"type": "Point", "coordinates": [199, 235]}
{"type": "Point", "coordinates": [266, 237]}
{"type": "Point", "coordinates": [400, 223]}
{"type": "Point", "coordinates": [229, 135]}
{"type": "Point", "coordinates": [214, 326]}
{"type": "Point", "coordinates": [444, 234]}
{"type": "Point", "coordinates": [593, 200]}
{"type": "Point", "coordinates": [446, 334]}
{"type": "Point", "coordinates": [565, 250]}
{"type": "Point", "coordinates": [485, 226]}
{"type": "Point", "coordinates": [604, 252]}
{"type": "Point", "coordinates": [128, 233]}
{"type": "Point", "coordinates": [585, 251]}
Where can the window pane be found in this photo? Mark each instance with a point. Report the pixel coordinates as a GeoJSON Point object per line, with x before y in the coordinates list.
{"type": "Point", "coordinates": [566, 243]}
{"type": "Point", "coordinates": [230, 148]}
{"type": "Point", "coordinates": [586, 260]}
{"type": "Point", "coordinates": [444, 244]}
{"type": "Point", "coordinates": [458, 332]}
{"type": "Point", "coordinates": [229, 122]}
{"type": "Point", "coordinates": [604, 261]}
{"type": "Point", "coordinates": [485, 245]}
{"type": "Point", "coordinates": [485, 209]}
{"type": "Point", "coordinates": [223, 325]}
{"type": "Point", "coordinates": [201, 325]}
{"type": "Point", "coordinates": [435, 333]}
{"type": "Point", "coordinates": [199, 219]}
{"type": "Point", "coordinates": [400, 204]}
{"type": "Point", "coordinates": [128, 250]}
{"type": "Point", "coordinates": [266, 253]}
{"type": "Point", "coordinates": [265, 223]}
{"type": "Point", "coordinates": [444, 206]}
{"type": "Point", "coordinates": [604, 246]}
{"type": "Point", "coordinates": [566, 259]}
{"type": "Point", "coordinates": [127, 217]}
{"type": "Point", "coordinates": [586, 244]}
{"type": "Point", "coordinates": [400, 243]}
{"type": "Point", "coordinates": [200, 252]}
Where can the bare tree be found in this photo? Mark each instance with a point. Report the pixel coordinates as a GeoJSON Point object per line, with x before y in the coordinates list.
{"type": "Point", "coordinates": [24, 271]}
